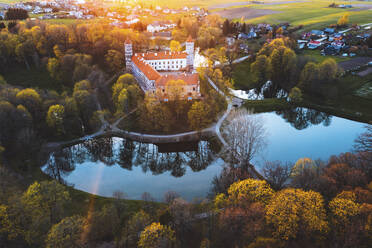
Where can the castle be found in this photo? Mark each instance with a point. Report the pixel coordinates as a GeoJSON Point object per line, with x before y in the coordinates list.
{"type": "Point", "coordinates": [153, 70]}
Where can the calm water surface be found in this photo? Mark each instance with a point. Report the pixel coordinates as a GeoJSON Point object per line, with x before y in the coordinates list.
{"type": "Point", "coordinates": [106, 165]}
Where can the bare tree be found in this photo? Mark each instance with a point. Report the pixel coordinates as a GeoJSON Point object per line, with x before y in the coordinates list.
{"type": "Point", "coordinates": [147, 197]}
{"type": "Point", "coordinates": [245, 136]}
{"type": "Point", "coordinates": [169, 196]}
{"type": "Point", "coordinates": [119, 195]}
{"type": "Point", "coordinates": [276, 174]}
{"type": "Point", "coordinates": [363, 144]}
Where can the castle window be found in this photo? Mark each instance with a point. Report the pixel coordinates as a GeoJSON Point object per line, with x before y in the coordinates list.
{"type": "Point", "coordinates": [193, 88]}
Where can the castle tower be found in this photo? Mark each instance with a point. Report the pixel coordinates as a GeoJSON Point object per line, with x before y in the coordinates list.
{"type": "Point", "coordinates": [190, 51]}
{"type": "Point", "coordinates": [128, 49]}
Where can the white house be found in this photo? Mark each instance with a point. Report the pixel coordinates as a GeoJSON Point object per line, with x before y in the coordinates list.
{"type": "Point", "coordinates": [153, 70]}
{"type": "Point", "coordinates": [158, 26]}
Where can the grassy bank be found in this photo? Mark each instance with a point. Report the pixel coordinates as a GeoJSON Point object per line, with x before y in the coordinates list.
{"type": "Point", "coordinates": [35, 78]}
{"type": "Point", "coordinates": [267, 105]}
{"type": "Point", "coordinates": [81, 202]}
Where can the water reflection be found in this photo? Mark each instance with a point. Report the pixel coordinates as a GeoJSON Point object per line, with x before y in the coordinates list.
{"type": "Point", "coordinates": [301, 118]}
{"type": "Point", "coordinates": [128, 154]}
{"type": "Point", "coordinates": [103, 166]}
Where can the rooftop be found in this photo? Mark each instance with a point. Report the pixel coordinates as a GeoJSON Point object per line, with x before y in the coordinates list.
{"type": "Point", "coordinates": [162, 55]}
{"type": "Point", "coordinates": [188, 78]}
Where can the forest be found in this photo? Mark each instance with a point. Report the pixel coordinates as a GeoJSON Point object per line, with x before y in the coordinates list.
{"type": "Point", "coordinates": [306, 204]}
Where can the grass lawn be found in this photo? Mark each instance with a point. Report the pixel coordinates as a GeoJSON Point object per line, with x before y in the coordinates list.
{"type": "Point", "coordinates": [36, 78]}
{"type": "Point", "coordinates": [242, 76]}
{"type": "Point", "coordinates": [267, 105]}
{"type": "Point", "coordinates": [315, 54]}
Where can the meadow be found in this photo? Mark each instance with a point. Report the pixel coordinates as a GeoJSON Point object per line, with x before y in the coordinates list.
{"type": "Point", "coordinates": [312, 14]}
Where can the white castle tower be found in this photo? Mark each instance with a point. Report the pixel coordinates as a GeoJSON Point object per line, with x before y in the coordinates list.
{"type": "Point", "coordinates": [128, 49]}
{"type": "Point", "coordinates": [190, 51]}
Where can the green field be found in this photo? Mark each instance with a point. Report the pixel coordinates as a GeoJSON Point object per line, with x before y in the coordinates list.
{"type": "Point", "coordinates": [312, 14]}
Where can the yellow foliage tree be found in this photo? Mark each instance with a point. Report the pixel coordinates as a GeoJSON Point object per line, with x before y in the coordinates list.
{"type": "Point", "coordinates": [343, 207]}
{"type": "Point", "coordinates": [293, 210]}
{"type": "Point", "coordinates": [344, 20]}
{"type": "Point", "coordinates": [156, 235]}
{"type": "Point", "coordinates": [250, 190]}
{"type": "Point", "coordinates": [55, 117]}
{"type": "Point", "coordinates": [175, 46]}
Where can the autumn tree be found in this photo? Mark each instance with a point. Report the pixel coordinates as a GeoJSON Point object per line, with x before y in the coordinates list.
{"type": "Point", "coordinates": [261, 70]}
{"type": "Point", "coordinates": [114, 60]}
{"type": "Point", "coordinates": [102, 225]}
{"type": "Point", "coordinates": [174, 89]}
{"type": "Point", "coordinates": [340, 176]}
{"type": "Point", "coordinates": [343, 20]}
{"type": "Point", "coordinates": [86, 104]}
{"type": "Point", "coordinates": [175, 46]}
{"type": "Point", "coordinates": [13, 120]}
{"type": "Point", "coordinates": [2, 80]}
{"type": "Point", "coordinates": [309, 75]}
{"type": "Point", "coordinates": [242, 211]}
{"type": "Point", "coordinates": [66, 233]}
{"type": "Point", "coordinates": [328, 70]}
{"type": "Point", "coordinates": [198, 115]}
{"type": "Point", "coordinates": [125, 93]}
{"type": "Point", "coordinates": [305, 174]}
{"type": "Point", "coordinates": [239, 226]}
{"type": "Point", "coordinates": [296, 213]}
{"type": "Point", "coordinates": [53, 68]}
{"type": "Point", "coordinates": [43, 205]}
{"type": "Point", "coordinates": [55, 118]}
{"type": "Point", "coordinates": [133, 227]}
{"type": "Point", "coordinates": [283, 63]}
{"type": "Point", "coordinates": [82, 85]}
{"type": "Point", "coordinates": [248, 191]}
{"type": "Point", "coordinates": [31, 99]}
{"type": "Point", "coordinates": [295, 95]}
{"type": "Point", "coordinates": [156, 235]}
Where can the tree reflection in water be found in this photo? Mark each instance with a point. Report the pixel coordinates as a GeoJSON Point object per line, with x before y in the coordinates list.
{"type": "Point", "coordinates": [301, 118]}
{"type": "Point", "coordinates": [126, 154]}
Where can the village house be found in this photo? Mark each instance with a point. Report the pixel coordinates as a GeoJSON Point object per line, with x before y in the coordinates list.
{"type": "Point", "coordinates": [154, 70]}
{"type": "Point", "coordinates": [158, 26]}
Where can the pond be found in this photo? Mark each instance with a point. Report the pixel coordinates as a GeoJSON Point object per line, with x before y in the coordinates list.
{"type": "Point", "coordinates": [106, 165]}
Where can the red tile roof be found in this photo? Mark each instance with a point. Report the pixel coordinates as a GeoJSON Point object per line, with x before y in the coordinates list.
{"type": "Point", "coordinates": [139, 59]}
{"type": "Point", "coordinates": [189, 39]}
{"type": "Point", "coordinates": [146, 69]}
{"type": "Point", "coordinates": [189, 79]}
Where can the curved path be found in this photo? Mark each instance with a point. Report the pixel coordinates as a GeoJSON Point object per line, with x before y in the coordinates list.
{"type": "Point", "coordinates": [108, 129]}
